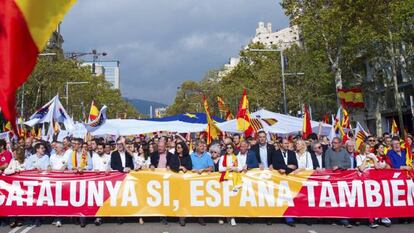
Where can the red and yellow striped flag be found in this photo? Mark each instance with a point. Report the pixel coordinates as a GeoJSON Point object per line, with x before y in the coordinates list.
{"type": "Point", "coordinates": [307, 127]}
{"type": "Point", "coordinates": [224, 109]}
{"type": "Point", "coordinates": [243, 116]}
{"type": "Point", "coordinates": [25, 27]}
{"type": "Point", "coordinates": [94, 112]}
{"type": "Point", "coordinates": [409, 153]}
{"type": "Point", "coordinates": [212, 130]}
{"type": "Point", "coordinates": [345, 119]}
{"type": "Point", "coordinates": [394, 128]}
{"type": "Point", "coordinates": [256, 124]}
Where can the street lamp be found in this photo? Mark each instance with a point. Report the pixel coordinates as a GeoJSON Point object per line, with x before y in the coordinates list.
{"type": "Point", "coordinates": [94, 53]}
{"type": "Point", "coordinates": [282, 65]}
{"type": "Point", "coordinates": [67, 91]}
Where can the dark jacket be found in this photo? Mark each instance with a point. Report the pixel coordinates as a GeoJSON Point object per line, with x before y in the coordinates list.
{"type": "Point", "coordinates": [270, 151]}
{"type": "Point", "coordinates": [155, 158]}
{"type": "Point", "coordinates": [315, 161]}
{"type": "Point", "coordinates": [116, 163]}
{"type": "Point", "coordinates": [174, 161]}
{"type": "Point", "coordinates": [279, 163]}
{"type": "Point", "coordinates": [251, 160]}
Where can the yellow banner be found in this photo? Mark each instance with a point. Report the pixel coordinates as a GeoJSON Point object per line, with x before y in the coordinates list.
{"type": "Point", "coordinates": [262, 193]}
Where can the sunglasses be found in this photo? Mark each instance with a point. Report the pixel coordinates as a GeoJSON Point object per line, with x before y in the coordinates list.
{"type": "Point", "coordinates": [371, 140]}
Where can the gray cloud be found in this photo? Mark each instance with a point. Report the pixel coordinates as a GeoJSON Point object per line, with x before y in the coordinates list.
{"type": "Point", "coordinates": [161, 43]}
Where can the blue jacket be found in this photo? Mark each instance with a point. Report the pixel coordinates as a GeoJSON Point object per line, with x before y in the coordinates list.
{"type": "Point", "coordinates": [251, 160]}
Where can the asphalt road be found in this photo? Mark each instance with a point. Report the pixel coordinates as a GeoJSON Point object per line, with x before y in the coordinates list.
{"type": "Point", "coordinates": [194, 227]}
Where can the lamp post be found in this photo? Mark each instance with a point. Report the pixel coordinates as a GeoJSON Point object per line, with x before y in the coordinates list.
{"type": "Point", "coordinates": [67, 91]}
{"type": "Point", "coordinates": [94, 53]}
{"type": "Point", "coordinates": [283, 74]}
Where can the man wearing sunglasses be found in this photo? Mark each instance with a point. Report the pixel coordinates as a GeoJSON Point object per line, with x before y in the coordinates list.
{"type": "Point", "coordinates": [318, 156]}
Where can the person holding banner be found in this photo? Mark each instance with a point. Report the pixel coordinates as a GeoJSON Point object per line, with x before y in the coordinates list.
{"type": "Point", "coordinates": [59, 159]}
{"type": "Point", "coordinates": [39, 160]}
{"type": "Point", "coordinates": [367, 160]}
{"type": "Point", "coordinates": [5, 155]}
{"type": "Point", "coordinates": [229, 168]}
{"type": "Point", "coordinates": [263, 151]}
{"type": "Point", "coordinates": [383, 161]}
{"type": "Point", "coordinates": [397, 156]}
{"type": "Point", "coordinates": [121, 160]}
{"type": "Point", "coordinates": [79, 161]}
{"type": "Point", "coordinates": [58, 162]}
{"type": "Point", "coordinates": [285, 162]}
{"type": "Point", "coordinates": [180, 161]}
{"type": "Point", "coordinates": [336, 158]}
{"type": "Point", "coordinates": [201, 162]}
{"type": "Point", "coordinates": [16, 165]}
{"type": "Point", "coordinates": [142, 158]}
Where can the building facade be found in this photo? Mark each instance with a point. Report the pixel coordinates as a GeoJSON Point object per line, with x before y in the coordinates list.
{"type": "Point", "coordinates": [109, 69]}
{"type": "Point", "coordinates": [283, 39]}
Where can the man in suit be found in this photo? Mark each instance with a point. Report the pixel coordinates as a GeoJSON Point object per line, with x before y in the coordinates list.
{"type": "Point", "coordinates": [263, 151]}
{"type": "Point", "coordinates": [121, 160]}
{"type": "Point", "coordinates": [159, 160]}
{"type": "Point", "coordinates": [246, 158]}
{"type": "Point", "coordinates": [285, 162]}
{"type": "Point", "coordinates": [318, 156]}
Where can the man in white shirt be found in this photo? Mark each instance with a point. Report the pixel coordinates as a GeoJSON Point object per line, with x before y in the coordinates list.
{"type": "Point", "coordinates": [100, 160]}
{"type": "Point", "coordinates": [58, 160]}
{"type": "Point", "coordinates": [246, 159]}
{"type": "Point", "coordinates": [39, 160]}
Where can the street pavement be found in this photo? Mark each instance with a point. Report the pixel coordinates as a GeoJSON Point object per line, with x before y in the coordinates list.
{"type": "Point", "coordinates": [193, 227]}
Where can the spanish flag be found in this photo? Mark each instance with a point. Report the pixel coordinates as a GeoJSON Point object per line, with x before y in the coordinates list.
{"type": "Point", "coordinates": [94, 112]}
{"type": "Point", "coordinates": [243, 116]}
{"type": "Point", "coordinates": [224, 109]}
{"type": "Point", "coordinates": [345, 119]}
{"type": "Point", "coordinates": [394, 128]}
{"type": "Point", "coordinates": [409, 153]}
{"type": "Point", "coordinates": [212, 130]}
{"type": "Point", "coordinates": [352, 98]}
{"type": "Point", "coordinates": [25, 27]}
{"type": "Point", "coordinates": [7, 127]}
{"type": "Point", "coordinates": [307, 127]}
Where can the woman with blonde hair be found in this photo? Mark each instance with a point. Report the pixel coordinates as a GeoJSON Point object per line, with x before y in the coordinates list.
{"type": "Point", "coordinates": [303, 156]}
{"type": "Point", "coordinates": [365, 159]}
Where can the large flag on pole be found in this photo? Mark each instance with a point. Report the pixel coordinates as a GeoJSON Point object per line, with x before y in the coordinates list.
{"type": "Point", "coordinates": [224, 109]}
{"type": "Point", "coordinates": [98, 122]}
{"type": "Point", "coordinates": [52, 111]}
{"type": "Point", "coordinates": [307, 127]}
{"type": "Point", "coordinates": [212, 130]}
{"type": "Point", "coordinates": [93, 112]}
{"type": "Point", "coordinates": [394, 128]}
{"type": "Point", "coordinates": [25, 27]}
{"type": "Point", "coordinates": [360, 136]}
{"type": "Point", "coordinates": [243, 116]}
{"type": "Point", "coordinates": [409, 153]}
{"type": "Point", "coordinates": [345, 119]}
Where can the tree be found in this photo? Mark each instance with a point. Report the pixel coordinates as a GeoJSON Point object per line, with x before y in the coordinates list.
{"type": "Point", "coordinates": [50, 77]}
{"type": "Point", "coordinates": [325, 26]}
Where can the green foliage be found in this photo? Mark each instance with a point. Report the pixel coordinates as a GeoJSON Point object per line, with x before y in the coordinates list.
{"type": "Point", "coordinates": [50, 77]}
{"type": "Point", "coordinates": [260, 74]}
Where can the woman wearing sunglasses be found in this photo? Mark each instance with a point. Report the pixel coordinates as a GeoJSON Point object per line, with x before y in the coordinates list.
{"type": "Point", "coordinates": [228, 166]}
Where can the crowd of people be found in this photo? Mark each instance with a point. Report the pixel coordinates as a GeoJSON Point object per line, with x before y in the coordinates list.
{"type": "Point", "coordinates": [231, 155]}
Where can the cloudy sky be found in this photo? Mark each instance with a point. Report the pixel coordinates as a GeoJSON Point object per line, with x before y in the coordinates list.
{"type": "Point", "coordinates": [161, 43]}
